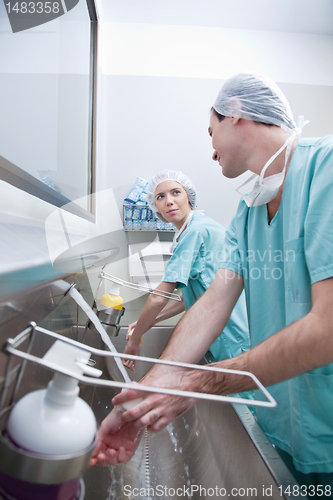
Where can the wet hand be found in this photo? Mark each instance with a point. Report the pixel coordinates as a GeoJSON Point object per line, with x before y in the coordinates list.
{"type": "Point", "coordinates": [156, 411]}
{"type": "Point", "coordinates": [116, 441]}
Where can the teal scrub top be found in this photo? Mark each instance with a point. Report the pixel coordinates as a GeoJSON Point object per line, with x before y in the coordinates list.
{"type": "Point", "coordinates": [193, 265]}
{"type": "Point", "coordinates": [279, 262]}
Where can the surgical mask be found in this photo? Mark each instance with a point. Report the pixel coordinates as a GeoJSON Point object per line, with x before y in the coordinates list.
{"type": "Point", "coordinates": [266, 188]}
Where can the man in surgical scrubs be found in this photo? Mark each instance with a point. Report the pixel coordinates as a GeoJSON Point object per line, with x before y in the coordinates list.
{"type": "Point", "coordinates": [279, 248]}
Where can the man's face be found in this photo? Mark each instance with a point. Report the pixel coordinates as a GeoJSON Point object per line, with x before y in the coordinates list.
{"type": "Point", "coordinates": [226, 145]}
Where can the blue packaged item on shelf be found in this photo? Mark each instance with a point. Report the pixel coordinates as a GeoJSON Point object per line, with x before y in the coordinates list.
{"type": "Point", "coordinates": [136, 213]}
{"type": "Point", "coordinates": [143, 213]}
{"type": "Point", "coordinates": [139, 188]}
{"type": "Point", "coordinates": [128, 211]}
{"type": "Point", "coordinates": [139, 217]}
{"type": "Point", "coordinates": [143, 197]}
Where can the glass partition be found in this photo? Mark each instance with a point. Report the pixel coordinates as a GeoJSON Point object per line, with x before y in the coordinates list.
{"type": "Point", "coordinates": [47, 85]}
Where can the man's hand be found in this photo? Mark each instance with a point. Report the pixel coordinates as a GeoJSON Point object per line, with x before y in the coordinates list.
{"type": "Point", "coordinates": [156, 411]}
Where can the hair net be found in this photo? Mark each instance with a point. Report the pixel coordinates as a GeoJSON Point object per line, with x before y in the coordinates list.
{"type": "Point", "coordinates": [166, 175]}
{"type": "Point", "coordinates": [255, 97]}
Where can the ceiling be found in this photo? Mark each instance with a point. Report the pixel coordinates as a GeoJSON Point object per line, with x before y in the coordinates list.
{"type": "Point", "coordinates": [296, 16]}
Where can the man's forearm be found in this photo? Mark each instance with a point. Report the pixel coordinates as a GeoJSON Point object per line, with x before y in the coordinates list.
{"type": "Point", "coordinates": [300, 347]}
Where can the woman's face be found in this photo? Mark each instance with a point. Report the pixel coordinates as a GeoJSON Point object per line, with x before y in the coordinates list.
{"type": "Point", "coordinates": [172, 202]}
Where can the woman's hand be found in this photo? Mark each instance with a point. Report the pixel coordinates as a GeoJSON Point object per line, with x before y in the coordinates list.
{"type": "Point", "coordinates": [132, 347]}
{"type": "Point", "coordinates": [131, 327]}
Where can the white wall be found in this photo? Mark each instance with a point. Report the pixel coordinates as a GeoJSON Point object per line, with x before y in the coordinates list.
{"type": "Point", "coordinates": [157, 84]}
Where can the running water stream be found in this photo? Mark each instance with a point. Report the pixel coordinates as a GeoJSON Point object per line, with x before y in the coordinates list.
{"type": "Point", "coordinates": [97, 324]}
{"type": "Point", "coordinates": [106, 339]}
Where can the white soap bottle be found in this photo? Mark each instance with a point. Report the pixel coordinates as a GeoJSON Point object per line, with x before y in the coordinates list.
{"type": "Point", "coordinates": [55, 421]}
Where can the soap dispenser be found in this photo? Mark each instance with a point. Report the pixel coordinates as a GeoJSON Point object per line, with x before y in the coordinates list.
{"type": "Point", "coordinates": [54, 421]}
{"type": "Point", "coordinates": [111, 309]}
{"type": "Point", "coordinates": [112, 299]}
{"type": "Point", "coordinates": [52, 430]}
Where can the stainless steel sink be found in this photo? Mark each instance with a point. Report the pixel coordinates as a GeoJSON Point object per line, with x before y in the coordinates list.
{"type": "Point", "coordinates": [214, 450]}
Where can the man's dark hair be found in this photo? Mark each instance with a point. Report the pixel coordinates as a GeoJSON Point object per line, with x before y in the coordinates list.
{"type": "Point", "coordinates": [219, 116]}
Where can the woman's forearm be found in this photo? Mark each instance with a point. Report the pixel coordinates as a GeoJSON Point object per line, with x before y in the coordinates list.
{"type": "Point", "coordinates": [154, 305]}
{"type": "Point", "coordinates": [171, 310]}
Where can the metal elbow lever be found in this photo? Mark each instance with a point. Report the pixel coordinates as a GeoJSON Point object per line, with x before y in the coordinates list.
{"type": "Point", "coordinates": [139, 288]}
{"type": "Point", "coordinates": [12, 344]}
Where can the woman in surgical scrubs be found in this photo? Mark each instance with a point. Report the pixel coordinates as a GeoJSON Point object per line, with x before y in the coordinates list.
{"type": "Point", "coordinates": [197, 251]}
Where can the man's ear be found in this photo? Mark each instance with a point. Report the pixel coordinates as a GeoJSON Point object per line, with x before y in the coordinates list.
{"type": "Point", "coordinates": [234, 109]}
